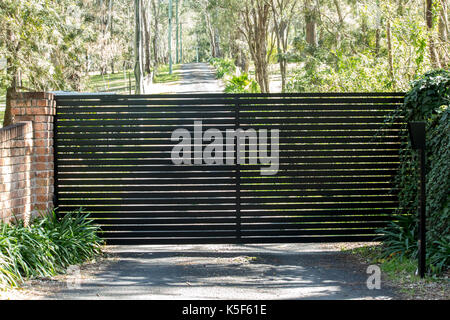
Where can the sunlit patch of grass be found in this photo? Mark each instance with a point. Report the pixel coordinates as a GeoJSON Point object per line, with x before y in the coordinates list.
{"type": "Point", "coordinates": [120, 82]}
{"type": "Point", "coordinates": [163, 76]}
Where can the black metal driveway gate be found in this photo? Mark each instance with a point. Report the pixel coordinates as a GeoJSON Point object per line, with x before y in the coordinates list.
{"type": "Point", "coordinates": [113, 158]}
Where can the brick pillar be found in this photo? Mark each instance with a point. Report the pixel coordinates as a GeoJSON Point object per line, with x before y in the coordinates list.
{"type": "Point", "coordinates": [40, 109]}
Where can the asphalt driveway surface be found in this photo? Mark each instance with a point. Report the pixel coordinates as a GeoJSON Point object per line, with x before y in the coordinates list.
{"type": "Point", "coordinates": [280, 271]}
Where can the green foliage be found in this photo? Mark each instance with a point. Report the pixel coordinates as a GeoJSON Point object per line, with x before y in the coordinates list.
{"type": "Point", "coordinates": [163, 75]}
{"type": "Point", "coordinates": [223, 66]}
{"type": "Point", "coordinates": [242, 84]}
{"type": "Point", "coordinates": [427, 100]}
{"type": "Point", "coordinates": [46, 247]}
{"type": "Point", "coordinates": [338, 71]}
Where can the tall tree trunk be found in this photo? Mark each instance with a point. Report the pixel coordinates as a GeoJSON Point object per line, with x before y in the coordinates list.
{"type": "Point", "coordinates": [283, 11]}
{"type": "Point", "coordinates": [11, 92]}
{"type": "Point", "coordinates": [147, 50]}
{"type": "Point", "coordinates": [177, 22]}
{"type": "Point", "coordinates": [109, 26]}
{"type": "Point", "coordinates": [340, 25]}
{"type": "Point", "coordinates": [169, 42]}
{"type": "Point", "coordinates": [444, 34]}
{"type": "Point", "coordinates": [12, 72]}
{"type": "Point", "coordinates": [390, 56]}
{"type": "Point", "coordinates": [138, 48]}
{"type": "Point", "coordinates": [431, 44]}
{"type": "Point", "coordinates": [311, 37]}
{"type": "Point", "coordinates": [212, 38]}
{"type": "Point", "coordinates": [156, 8]}
{"type": "Point", "coordinates": [378, 29]}
{"type": "Point", "coordinates": [181, 43]}
{"type": "Point", "coordinates": [256, 16]}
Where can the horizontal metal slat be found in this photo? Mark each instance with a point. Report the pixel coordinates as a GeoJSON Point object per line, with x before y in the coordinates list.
{"type": "Point", "coordinates": [231, 240]}
{"type": "Point", "coordinates": [224, 101]}
{"type": "Point", "coordinates": [140, 225]}
{"type": "Point", "coordinates": [283, 128]}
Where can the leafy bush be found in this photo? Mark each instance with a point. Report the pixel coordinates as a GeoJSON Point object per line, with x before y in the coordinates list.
{"type": "Point", "coordinates": [242, 84]}
{"type": "Point", "coordinates": [223, 66]}
{"type": "Point", "coordinates": [338, 72]}
{"type": "Point", "coordinates": [429, 100]}
{"type": "Point", "coordinates": [46, 247]}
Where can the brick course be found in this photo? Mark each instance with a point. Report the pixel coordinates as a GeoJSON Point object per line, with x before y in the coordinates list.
{"type": "Point", "coordinates": [26, 162]}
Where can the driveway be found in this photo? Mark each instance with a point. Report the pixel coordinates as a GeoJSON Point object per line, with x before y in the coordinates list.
{"type": "Point", "coordinates": [279, 271]}
{"type": "Point", "coordinates": [194, 78]}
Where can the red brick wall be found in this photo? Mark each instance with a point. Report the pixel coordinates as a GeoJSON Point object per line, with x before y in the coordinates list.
{"type": "Point", "coordinates": [26, 165]}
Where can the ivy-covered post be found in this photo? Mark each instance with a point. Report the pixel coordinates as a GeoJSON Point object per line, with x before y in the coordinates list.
{"type": "Point", "coordinates": [418, 142]}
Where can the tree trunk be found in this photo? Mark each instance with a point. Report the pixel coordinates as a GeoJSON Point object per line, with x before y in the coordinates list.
{"type": "Point", "coordinates": [147, 65]}
{"type": "Point", "coordinates": [431, 44]}
{"type": "Point", "coordinates": [377, 30]}
{"type": "Point", "coordinates": [11, 92]}
{"type": "Point", "coordinates": [109, 27]}
{"type": "Point", "coordinates": [212, 39]}
{"type": "Point", "coordinates": [256, 16]}
{"type": "Point", "coordinates": [138, 48]}
{"type": "Point", "coordinates": [311, 37]}
{"type": "Point", "coordinates": [340, 25]}
{"type": "Point", "coordinates": [390, 56]}
{"type": "Point", "coordinates": [443, 34]}
{"type": "Point", "coordinates": [169, 42]}
{"type": "Point", "coordinates": [155, 33]}
{"type": "Point", "coordinates": [177, 22]}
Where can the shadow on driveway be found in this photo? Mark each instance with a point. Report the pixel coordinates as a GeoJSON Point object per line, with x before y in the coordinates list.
{"type": "Point", "coordinates": [286, 271]}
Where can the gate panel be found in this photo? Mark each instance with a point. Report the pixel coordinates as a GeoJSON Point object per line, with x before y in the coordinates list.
{"type": "Point", "coordinates": [334, 182]}
{"type": "Point", "coordinates": [114, 160]}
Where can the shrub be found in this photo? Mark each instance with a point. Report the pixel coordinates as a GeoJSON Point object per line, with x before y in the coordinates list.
{"type": "Point", "coordinates": [223, 66]}
{"type": "Point", "coordinates": [242, 84]}
{"type": "Point", "coordinates": [429, 100]}
{"type": "Point", "coordinates": [46, 247]}
{"type": "Point", "coordinates": [336, 71]}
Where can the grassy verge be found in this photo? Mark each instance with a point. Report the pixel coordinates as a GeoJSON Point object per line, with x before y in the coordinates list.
{"type": "Point", "coordinates": [400, 274]}
{"type": "Point", "coordinates": [163, 76]}
{"type": "Point", "coordinates": [46, 247]}
{"type": "Point", "coordinates": [124, 82]}
{"type": "Point", "coordinates": [121, 82]}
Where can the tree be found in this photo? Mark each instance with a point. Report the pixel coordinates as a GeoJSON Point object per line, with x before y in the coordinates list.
{"type": "Point", "coordinates": [256, 17]}
{"type": "Point", "coordinates": [170, 37]}
{"type": "Point", "coordinates": [37, 43]}
{"type": "Point", "coordinates": [444, 33]}
{"type": "Point", "coordinates": [207, 8]}
{"type": "Point", "coordinates": [283, 12]}
{"type": "Point", "coordinates": [429, 16]}
{"type": "Point", "coordinates": [138, 67]}
{"type": "Point", "coordinates": [310, 23]}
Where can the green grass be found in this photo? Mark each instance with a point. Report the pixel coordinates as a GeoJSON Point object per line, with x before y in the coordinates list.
{"type": "Point", "coordinates": [393, 265]}
{"type": "Point", "coordinates": [400, 271]}
{"type": "Point", "coordinates": [121, 82]}
{"type": "Point", "coordinates": [163, 76]}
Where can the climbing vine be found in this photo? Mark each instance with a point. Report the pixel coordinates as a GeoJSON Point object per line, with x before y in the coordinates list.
{"type": "Point", "coordinates": [428, 100]}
